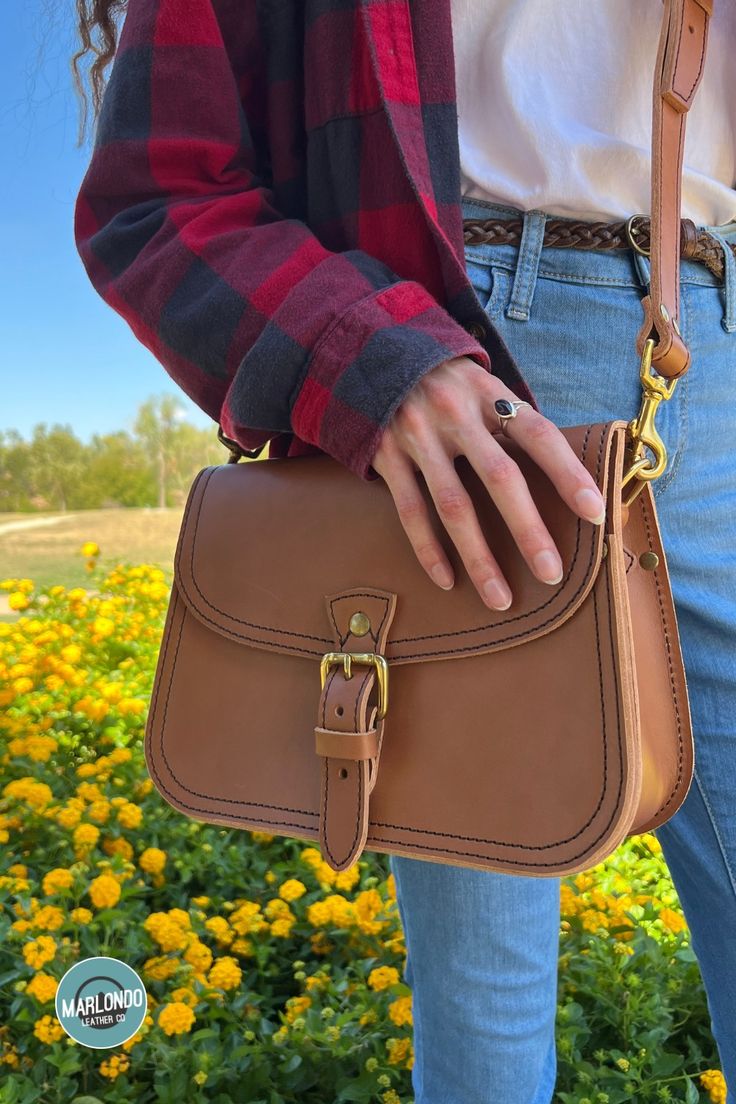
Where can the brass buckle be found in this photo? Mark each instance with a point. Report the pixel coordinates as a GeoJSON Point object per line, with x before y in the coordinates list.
{"type": "Point", "coordinates": [347, 659]}
{"type": "Point", "coordinates": [630, 235]}
{"type": "Point", "coordinates": [642, 430]}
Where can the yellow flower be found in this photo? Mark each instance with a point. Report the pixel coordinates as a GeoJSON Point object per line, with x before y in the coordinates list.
{"type": "Point", "coordinates": [118, 846]}
{"type": "Point", "coordinates": [346, 879]}
{"type": "Point", "coordinates": [104, 891]}
{"type": "Point", "coordinates": [220, 929]}
{"type": "Point", "coordinates": [675, 921]}
{"type": "Point", "coordinates": [103, 626]}
{"type": "Point", "coordinates": [160, 968]}
{"type": "Point", "coordinates": [130, 815]}
{"type": "Point", "coordinates": [714, 1084]}
{"type": "Point", "coordinates": [90, 548]}
{"type": "Point", "coordinates": [71, 653]}
{"type": "Point", "coordinates": [367, 906]}
{"type": "Point", "coordinates": [56, 880]}
{"type": "Point", "coordinates": [319, 914]}
{"type": "Point", "coordinates": [39, 951]}
{"type": "Point", "coordinates": [292, 889]}
{"type": "Point", "coordinates": [81, 915]}
{"type": "Point", "coordinates": [43, 987]}
{"type": "Point", "coordinates": [49, 917]}
{"type": "Point", "coordinates": [382, 977]}
{"type": "Point", "coordinates": [198, 955]}
{"type": "Point", "coordinates": [400, 1011]}
{"type": "Point", "coordinates": [48, 1029]}
{"type": "Point", "coordinates": [36, 794]}
{"type": "Point", "coordinates": [281, 927]}
{"type": "Point", "coordinates": [113, 1066]}
{"type": "Point", "coordinates": [18, 600]}
{"type": "Point", "coordinates": [400, 1051]}
{"type": "Point", "coordinates": [166, 930]}
{"type": "Point", "coordinates": [225, 973]}
{"type": "Point", "coordinates": [247, 918]}
{"type": "Point", "coordinates": [188, 996]}
{"type": "Point", "coordinates": [69, 816]}
{"type": "Point", "coordinates": [295, 1006]}
{"type": "Point", "coordinates": [176, 1018]}
{"type": "Point", "coordinates": [86, 836]}
{"type": "Point", "coordinates": [152, 860]}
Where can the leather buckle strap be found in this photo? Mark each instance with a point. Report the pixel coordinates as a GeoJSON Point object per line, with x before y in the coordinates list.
{"type": "Point", "coordinates": [349, 731]}
{"type": "Point", "coordinates": [677, 74]}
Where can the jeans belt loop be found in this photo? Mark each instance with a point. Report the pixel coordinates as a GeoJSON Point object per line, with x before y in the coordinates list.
{"type": "Point", "coordinates": [728, 321]}
{"type": "Point", "coordinates": [527, 265]}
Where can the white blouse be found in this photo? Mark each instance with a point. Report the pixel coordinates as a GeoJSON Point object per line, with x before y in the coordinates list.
{"type": "Point", "coordinates": [554, 107]}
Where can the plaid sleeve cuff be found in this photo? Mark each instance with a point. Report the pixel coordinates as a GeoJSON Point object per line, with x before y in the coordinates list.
{"type": "Point", "coordinates": [364, 365]}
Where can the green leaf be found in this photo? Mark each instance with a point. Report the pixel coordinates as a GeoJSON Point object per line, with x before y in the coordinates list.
{"type": "Point", "coordinates": [665, 1064]}
{"type": "Point", "coordinates": [692, 1096]}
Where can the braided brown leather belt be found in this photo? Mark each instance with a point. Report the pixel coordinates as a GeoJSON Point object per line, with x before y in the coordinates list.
{"type": "Point", "coordinates": [695, 244]}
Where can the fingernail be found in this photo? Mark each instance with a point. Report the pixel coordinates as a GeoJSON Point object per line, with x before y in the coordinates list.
{"type": "Point", "coordinates": [591, 504]}
{"type": "Point", "coordinates": [442, 576]}
{"type": "Point", "coordinates": [548, 566]}
{"type": "Point", "coordinates": [497, 594]}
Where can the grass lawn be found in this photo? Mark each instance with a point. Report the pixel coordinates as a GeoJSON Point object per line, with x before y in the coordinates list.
{"type": "Point", "coordinates": [49, 553]}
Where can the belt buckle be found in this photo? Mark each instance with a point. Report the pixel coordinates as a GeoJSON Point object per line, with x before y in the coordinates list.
{"type": "Point", "coordinates": [630, 235]}
{"type": "Point", "coordinates": [371, 658]}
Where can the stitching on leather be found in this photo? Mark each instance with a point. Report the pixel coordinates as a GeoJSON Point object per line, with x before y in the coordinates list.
{"type": "Point", "coordinates": [675, 698]}
{"type": "Point", "coordinates": [425, 847]}
{"type": "Point", "coordinates": [568, 839]}
{"type": "Point", "coordinates": [518, 616]}
{"type": "Point", "coordinates": [240, 620]}
{"type": "Point", "coordinates": [414, 655]}
{"type": "Point", "coordinates": [702, 54]}
{"type": "Point", "coordinates": [631, 560]}
{"type": "Point", "coordinates": [358, 765]}
{"type": "Point", "coordinates": [284, 824]}
{"type": "Point", "coordinates": [358, 594]}
{"type": "Point", "coordinates": [197, 793]}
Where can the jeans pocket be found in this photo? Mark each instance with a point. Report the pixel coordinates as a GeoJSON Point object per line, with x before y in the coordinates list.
{"type": "Point", "coordinates": [492, 285]}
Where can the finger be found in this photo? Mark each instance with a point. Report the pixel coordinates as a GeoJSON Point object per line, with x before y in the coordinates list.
{"type": "Point", "coordinates": [509, 490]}
{"type": "Point", "coordinates": [414, 516]}
{"type": "Point", "coordinates": [549, 448]}
{"type": "Point", "coordinates": [457, 513]}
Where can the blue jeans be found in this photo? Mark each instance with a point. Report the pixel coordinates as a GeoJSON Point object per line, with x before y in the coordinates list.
{"type": "Point", "coordinates": [482, 946]}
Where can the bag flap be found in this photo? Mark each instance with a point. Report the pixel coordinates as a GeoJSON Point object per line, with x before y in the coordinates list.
{"type": "Point", "coordinates": [263, 543]}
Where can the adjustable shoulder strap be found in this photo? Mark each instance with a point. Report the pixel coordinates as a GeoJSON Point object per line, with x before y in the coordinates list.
{"type": "Point", "coordinates": [678, 70]}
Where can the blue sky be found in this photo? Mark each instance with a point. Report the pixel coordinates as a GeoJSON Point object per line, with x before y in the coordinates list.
{"type": "Point", "coordinates": [65, 356]}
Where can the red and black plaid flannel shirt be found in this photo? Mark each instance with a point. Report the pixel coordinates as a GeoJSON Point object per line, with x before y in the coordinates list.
{"type": "Point", "coordinates": [273, 206]}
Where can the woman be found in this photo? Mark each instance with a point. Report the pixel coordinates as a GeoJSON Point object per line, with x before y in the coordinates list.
{"type": "Point", "coordinates": [274, 204]}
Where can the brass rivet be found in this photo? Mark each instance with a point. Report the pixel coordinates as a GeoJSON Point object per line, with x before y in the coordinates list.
{"type": "Point", "coordinates": [360, 624]}
{"type": "Point", "coordinates": [649, 560]}
{"type": "Point", "coordinates": [664, 312]}
{"type": "Point", "coordinates": [604, 550]}
{"type": "Point", "coordinates": [676, 327]}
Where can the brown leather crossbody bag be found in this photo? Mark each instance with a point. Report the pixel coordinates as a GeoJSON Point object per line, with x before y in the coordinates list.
{"type": "Point", "coordinates": [314, 683]}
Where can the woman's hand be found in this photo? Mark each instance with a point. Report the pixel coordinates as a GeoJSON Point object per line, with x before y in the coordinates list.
{"type": "Point", "coordinates": [448, 413]}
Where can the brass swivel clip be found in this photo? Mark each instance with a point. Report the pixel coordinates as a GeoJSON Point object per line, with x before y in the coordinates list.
{"type": "Point", "coordinates": [642, 432]}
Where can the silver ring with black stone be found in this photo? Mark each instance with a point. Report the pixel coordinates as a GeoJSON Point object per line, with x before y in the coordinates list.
{"type": "Point", "coordinates": [506, 410]}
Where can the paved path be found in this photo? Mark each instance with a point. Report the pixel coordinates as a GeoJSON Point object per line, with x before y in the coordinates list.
{"type": "Point", "coordinates": [32, 523]}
